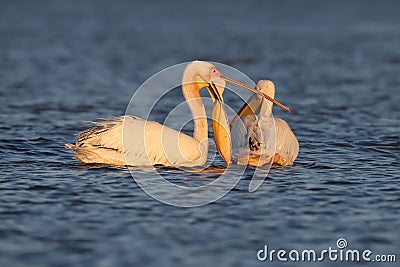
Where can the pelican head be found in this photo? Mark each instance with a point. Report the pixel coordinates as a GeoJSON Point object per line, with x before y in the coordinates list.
{"type": "Point", "coordinates": [200, 73]}
{"type": "Point", "coordinates": [205, 70]}
{"type": "Point", "coordinates": [267, 87]}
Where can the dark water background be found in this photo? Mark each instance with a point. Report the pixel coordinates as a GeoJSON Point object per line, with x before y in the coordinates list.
{"type": "Point", "coordinates": [335, 63]}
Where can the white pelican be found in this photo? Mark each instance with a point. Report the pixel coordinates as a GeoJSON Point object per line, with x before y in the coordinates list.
{"type": "Point", "coordinates": [149, 142]}
{"type": "Point", "coordinates": [256, 128]}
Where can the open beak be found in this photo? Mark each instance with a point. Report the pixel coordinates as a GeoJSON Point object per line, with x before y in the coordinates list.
{"type": "Point", "coordinates": [220, 124]}
{"type": "Point", "coordinates": [216, 88]}
{"type": "Point", "coordinates": [252, 106]}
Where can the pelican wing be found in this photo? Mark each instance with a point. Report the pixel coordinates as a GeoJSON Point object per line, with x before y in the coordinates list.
{"type": "Point", "coordinates": [129, 140]}
{"type": "Point", "coordinates": [287, 146]}
{"type": "Point", "coordinates": [105, 134]}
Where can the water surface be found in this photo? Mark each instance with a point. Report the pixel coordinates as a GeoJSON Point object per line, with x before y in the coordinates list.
{"type": "Point", "coordinates": [336, 64]}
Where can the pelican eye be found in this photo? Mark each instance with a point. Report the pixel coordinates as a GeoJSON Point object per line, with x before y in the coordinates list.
{"type": "Point", "coordinates": [215, 73]}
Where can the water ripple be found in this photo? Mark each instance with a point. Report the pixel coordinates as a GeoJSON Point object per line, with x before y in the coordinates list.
{"type": "Point", "coordinates": [337, 70]}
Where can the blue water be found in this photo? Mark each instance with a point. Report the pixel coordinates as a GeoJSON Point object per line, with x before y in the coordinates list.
{"type": "Point", "coordinates": [336, 64]}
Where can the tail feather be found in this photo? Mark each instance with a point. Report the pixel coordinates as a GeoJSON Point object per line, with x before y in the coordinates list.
{"type": "Point", "coordinates": [70, 146]}
{"type": "Point", "coordinates": [97, 155]}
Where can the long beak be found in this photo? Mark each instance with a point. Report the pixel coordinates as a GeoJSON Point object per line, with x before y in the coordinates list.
{"type": "Point", "coordinates": [252, 106]}
{"type": "Point", "coordinates": [215, 89]}
{"type": "Point", "coordinates": [220, 124]}
{"type": "Point", "coordinates": [255, 91]}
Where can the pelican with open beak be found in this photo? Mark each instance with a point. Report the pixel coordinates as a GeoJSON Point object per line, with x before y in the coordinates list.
{"type": "Point", "coordinates": [258, 134]}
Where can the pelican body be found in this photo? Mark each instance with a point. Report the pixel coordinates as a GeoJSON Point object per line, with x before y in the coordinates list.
{"type": "Point", "coordinates": [149, 142]}
{"type": "Point", "coordinates": [254, 133]}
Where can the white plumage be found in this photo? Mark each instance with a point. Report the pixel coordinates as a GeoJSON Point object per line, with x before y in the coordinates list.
{"type": "Point", "coordinates": [150, 143]}
{"type": "Point", "coordinates": [254, 141]}
{"type": "Point", "coordinates": [129, 140]}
